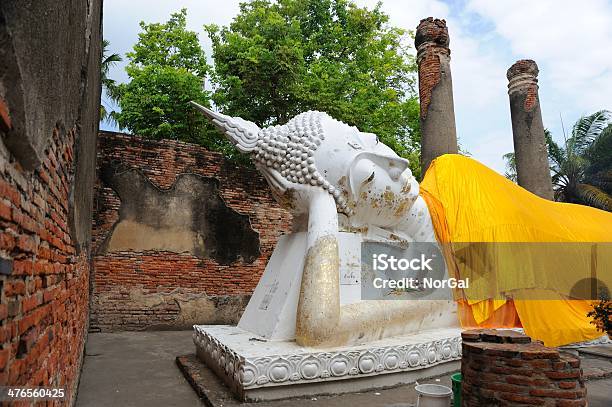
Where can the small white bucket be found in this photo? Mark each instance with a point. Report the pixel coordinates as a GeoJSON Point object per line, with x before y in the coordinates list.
{"type": "Point", "coordinates": [433, 395]}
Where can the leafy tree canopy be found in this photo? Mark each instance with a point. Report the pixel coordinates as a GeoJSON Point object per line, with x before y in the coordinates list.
{"type": "Point", "coordinates": [166, 68]}
{"type": "Point", "coordinates": [279, 58]}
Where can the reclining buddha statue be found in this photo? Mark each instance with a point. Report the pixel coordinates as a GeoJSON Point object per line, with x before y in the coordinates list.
{"type": "Point", "coordinates": [340, 183]}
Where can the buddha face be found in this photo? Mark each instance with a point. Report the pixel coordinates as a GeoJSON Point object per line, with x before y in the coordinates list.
{"type": "Point", "coordinates": [369, 182]}
{"type": "Point", "coordinates": [377, 184]}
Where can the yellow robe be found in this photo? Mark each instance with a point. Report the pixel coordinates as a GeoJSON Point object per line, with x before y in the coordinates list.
{"type": "Point", "coordinates": [470, 203]}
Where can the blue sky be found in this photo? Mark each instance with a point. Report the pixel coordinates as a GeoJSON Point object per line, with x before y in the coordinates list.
{"type": "Point", "coordinates": [571, 41]}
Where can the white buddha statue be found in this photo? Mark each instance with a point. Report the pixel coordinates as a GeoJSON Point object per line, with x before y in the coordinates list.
{"type": "Point", "coordinates": [335, 179]}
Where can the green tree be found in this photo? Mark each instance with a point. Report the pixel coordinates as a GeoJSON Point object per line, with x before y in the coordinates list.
{"type": "Point", "coordinates": [167, 68]}
{"type": "Point", "coordinates": [282, 57]}
{"type": "Point", "coordinates": [108, 84]}
{"type": "Point", "coordinates": [582, 169]}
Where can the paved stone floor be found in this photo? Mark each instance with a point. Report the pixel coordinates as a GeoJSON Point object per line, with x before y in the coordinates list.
{"type": "Point", "coordinates": [135, 369]}
{"type": "Point", "coordinates": [138, 369]}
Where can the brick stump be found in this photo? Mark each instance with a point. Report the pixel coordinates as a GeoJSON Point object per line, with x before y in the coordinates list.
{"type": "Point", "coordinates": [507, 368]}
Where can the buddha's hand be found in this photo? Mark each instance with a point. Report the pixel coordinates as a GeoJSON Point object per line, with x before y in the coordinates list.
{"type": "Point", "coordinates": [294, 196]}
{"type": "Point", "coordinates": [312, 200]}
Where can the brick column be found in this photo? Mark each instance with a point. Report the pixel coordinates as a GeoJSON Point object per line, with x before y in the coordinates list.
{"type": "Point", "coordinates": [438, 133]}
{"type": "Point", "coordinates": [530, 149]}
{"type": "Point", "coordinates": [501, 367]}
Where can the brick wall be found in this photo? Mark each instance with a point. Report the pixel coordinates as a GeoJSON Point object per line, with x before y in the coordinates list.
{"type": "Point", "coordinates": [505, 368]}
{"type": "Point", "coordinates": [43, 281]}
{"type": "Point", "coordinates": [49, 108]}
{"type": "Point", "coordinates": [161, 289]}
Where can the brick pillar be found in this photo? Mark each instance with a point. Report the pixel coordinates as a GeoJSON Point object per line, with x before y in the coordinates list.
{"type": "Point", "coordinates": [438, 133]}
{"type": "Point", "coordinates": [530, 149]}
{"type": "Point", "coordinates": [502, 367]}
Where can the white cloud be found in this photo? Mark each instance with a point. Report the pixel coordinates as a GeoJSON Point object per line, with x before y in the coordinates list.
{"type": "Point", "coordinates": [122, 18]}
{"type": "Point", "coordinates": [570, 41]}
{"type": "Point", "coordinates": [405, 15]}
{"type": "Point", "coordinates": [479, 81]}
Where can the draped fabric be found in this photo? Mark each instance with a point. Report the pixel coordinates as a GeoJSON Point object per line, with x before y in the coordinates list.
{"type": "Point", "coordinates": [523, 255]}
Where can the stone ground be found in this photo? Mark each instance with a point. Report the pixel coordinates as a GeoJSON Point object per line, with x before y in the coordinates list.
{"type": "Point", "coordinates": [135, 369]}
{"type": "Point", "coordinates": [139, 369]}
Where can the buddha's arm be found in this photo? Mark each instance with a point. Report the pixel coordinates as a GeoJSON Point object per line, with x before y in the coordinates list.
{"type": "Point", "coordinates": [321, 321]}
{"type": "Point", "coordinates": [318, 312]}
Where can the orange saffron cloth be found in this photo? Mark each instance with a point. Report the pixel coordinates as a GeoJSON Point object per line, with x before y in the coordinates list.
{"type": "Point", "coordinates": [469, 202]}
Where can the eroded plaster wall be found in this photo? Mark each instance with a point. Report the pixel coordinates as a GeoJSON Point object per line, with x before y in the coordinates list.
{"type": "Point", "coordinates": [181, 235]}
{"type": "Point", "coordinates": [49, 105]}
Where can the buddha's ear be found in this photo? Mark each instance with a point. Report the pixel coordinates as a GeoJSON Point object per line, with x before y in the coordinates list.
{"type": "Point", "coordinates": [242, 133]}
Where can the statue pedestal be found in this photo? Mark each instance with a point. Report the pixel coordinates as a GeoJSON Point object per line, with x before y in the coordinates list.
{"type": "Point", "coordinates": [257, 369]}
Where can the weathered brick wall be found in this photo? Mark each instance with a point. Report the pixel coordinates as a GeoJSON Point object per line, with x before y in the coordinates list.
{"type": "Point", "coordinates": [504, 368]}
{"type": "Point", "coordinates": [158, 289]}
{"type": "Point", "coordinates": [49, 108]}
{"type": "Point", "coordinates": [43, 281]}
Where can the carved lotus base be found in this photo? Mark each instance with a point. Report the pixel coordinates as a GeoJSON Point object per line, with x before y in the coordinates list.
{"type": "Point", "coordinates": [256, 369]}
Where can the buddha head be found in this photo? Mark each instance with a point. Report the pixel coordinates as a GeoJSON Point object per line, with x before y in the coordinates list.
{"type": "Point", "coordinates": [369, 182]}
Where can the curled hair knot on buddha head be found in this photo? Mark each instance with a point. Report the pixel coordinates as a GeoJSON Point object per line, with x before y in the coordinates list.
{"type": "Point", "coordinates": [287, 149]}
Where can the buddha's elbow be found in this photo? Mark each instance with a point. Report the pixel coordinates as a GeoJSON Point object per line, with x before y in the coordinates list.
{"type": "Point", "coordinates": [316, 328]}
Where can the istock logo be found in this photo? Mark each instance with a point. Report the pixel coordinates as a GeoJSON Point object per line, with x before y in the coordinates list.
{"type": "Point", "coordinates": [414, 271]}
{"type": "Point", "coordinates": [383, 262]}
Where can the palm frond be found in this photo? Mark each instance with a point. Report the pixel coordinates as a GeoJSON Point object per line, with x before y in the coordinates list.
{"type": "Point", "coordinates": [108, 60]}
{"type": "Point", "coordinates": [556, 154]}
{"type": "Point", "coordinates": [601, 180]}
{"type": "Point", "coordinates": [511, 174]}
{"type": "Point", "coordinates": [593, 196]}
{"type": "Point", "coordinates": [599, 152]}
{"type": "Point", "coordinates": [111, 59]}
{"type": "Point", "coordinates": [108, 84]}
{"type": "Point", "coordinates": [107, 115]}
{"type": "Point", "coordinates": [587, 129]}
